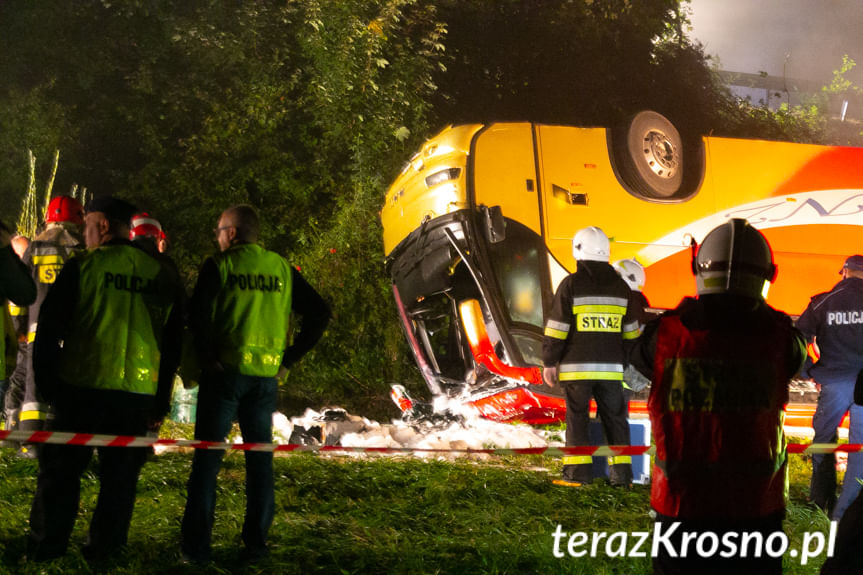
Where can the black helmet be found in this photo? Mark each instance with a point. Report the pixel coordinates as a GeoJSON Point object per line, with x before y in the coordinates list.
{"type": "Point", "coordinates": [734, 258]}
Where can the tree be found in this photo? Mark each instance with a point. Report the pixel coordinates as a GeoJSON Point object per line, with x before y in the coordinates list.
{"type": "Point", "coordinates": [306, 109]}
{"type": "Point", "coordinates": [303, 109]}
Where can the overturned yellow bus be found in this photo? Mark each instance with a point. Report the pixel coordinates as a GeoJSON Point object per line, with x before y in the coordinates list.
{"type": "Point", "coordinates": [478, 229]}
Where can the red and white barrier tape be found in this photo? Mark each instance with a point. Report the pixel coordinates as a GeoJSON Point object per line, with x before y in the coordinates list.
{"type": "Point", "coordinates": [92, 440]}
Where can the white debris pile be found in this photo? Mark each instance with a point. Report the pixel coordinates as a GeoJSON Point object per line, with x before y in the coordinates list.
{"type": "Point", "coordinates": [334, 426]}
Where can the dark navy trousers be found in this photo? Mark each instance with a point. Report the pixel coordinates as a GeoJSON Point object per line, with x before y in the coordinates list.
{"type": "Point", "coordinates": [222, 399]}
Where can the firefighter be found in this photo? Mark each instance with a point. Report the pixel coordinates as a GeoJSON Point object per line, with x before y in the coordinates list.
{"type": "Point", "coordinates": [146, 231]}
{"type": "Point", "coordinates": [105, 354]}
{"type": "Point", "coordinates": [833, 321]}
{"type": "Point", "coordinates": [633, 274]}
{"type": "Point", "coordinates": [720, 365]}
{"type": "Point", "coordinates": [14, 394]}
{"type": "Point", "coordinates": [239, 315]}
{"type": "Point", "coordinates": [591, 316]}
{"type": "Point", "coordinates": [45, 257]}
{"type": "Point", "coordinates": [17, 287]}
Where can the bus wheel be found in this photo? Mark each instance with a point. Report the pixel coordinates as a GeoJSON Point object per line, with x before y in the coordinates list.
{"type": "Point", "coordinates": [650, 155]}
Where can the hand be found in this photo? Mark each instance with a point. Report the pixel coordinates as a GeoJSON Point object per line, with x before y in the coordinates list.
{"type": "Point", "coordinates": [549, 376]}
{"type": "Point", "coordinates": [282, 375]}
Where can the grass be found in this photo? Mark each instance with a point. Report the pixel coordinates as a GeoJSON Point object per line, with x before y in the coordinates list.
{"type": "Point", "coordinates": [378, 515]}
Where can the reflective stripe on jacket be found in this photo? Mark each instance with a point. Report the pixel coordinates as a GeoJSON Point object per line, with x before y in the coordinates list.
{"type": "Point", "coordinates": [590, 318]}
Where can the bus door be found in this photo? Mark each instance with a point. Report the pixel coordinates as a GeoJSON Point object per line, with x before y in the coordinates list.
{"type": "Point", "coordinates": [576, 177]}
{"type": "Point", "coordinates": [503, 172]}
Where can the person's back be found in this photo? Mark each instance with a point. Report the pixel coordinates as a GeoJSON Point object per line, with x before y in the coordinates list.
{"type": "Point", "coordinates": [590, 317]}
{"type": "Point", "coordinates": [593, 285]}
{"type": "Point", "coordinates": [239, 314]}
{"type": "Point", "coordinates": [105, 352]}
{"type": "Point", "coordinates": [720, 366]}
{"type": "Point", "coordinates": [720, 384]}
{"type": "Point", "coordinates": [833, 322]}
{"type": "Point", "coordinates": [251, 314]}
{"type": "Point", "coordinates": [46, 255]}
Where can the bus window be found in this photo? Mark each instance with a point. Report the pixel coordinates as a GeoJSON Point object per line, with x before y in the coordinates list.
{"type": "Point", "coordinates": [517, 264]}
{"type": "Point", "coordinates": [437, 329]}
{"type": "Point", "coordinates": [530, 346]}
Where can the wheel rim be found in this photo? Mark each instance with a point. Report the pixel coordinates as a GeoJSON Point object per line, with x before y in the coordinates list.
{"type": "Point", "coordinates": [661, 155]}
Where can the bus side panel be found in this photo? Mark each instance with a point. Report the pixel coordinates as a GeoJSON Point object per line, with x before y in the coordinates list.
{"type": "Point", "coordinates": [581, 189]}
{"type": "Point", "coordinates": [504, 172]}
{"type": "Point", "coordinates": [802, 274]}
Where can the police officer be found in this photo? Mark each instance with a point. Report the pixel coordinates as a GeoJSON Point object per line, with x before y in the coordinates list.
{"type": "Point", "coordinates": [45, 257]}
{"type": "Point", "coordinates": [106, 349]}
{"type": "Point", "coordinates": [720, 366]}
{"type": "Point", "coordinates": [591, 315]}
{"type": "Point", "coordinates": [239, 314]}
{"type": "Point", "coordinates": [834, 322]}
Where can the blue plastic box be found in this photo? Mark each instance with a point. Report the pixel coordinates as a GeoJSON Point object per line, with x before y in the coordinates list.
{"type": "Point", "coordinates": [639, 434]}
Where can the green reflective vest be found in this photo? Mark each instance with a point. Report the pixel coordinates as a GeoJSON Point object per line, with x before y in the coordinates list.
{"type": "Point", "coordinates": [251, 313]}
{"type": "Point", "coordinates": [123, 304]}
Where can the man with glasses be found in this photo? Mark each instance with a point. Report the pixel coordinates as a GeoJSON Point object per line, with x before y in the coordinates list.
{"type": "Point", "coordinates": [240, 318]}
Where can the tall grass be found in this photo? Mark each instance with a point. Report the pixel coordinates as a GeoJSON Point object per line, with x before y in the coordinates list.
{"type": "Point", "coordinates": [372, 515]}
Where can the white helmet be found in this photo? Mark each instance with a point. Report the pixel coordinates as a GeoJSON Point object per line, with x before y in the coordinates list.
{"type": "Point", "coordinates": [734, 258]}
{"type": "Point", "coordinates": [632, 272]}
{"type": "Point", "coordinates": [591, 244]}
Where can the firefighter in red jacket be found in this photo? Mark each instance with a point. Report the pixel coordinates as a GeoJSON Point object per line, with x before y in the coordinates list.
{"type": "Point", "coordinates": [720, 366]}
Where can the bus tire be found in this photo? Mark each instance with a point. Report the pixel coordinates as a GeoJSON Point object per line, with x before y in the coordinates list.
{"type": "Point", "coordinates": [650, 155]}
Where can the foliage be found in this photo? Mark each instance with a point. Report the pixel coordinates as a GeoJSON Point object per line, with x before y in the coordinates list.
{"type": "Point", "coordinates": [375, 515]}
{"type": "Point", "coordinates": [28, 219]}
{"type": "Point", "coordinates": [30, 216]}
{"type": "Point", "coordinates": [306, 110]}
{"type": "Point", "coordinates": [840, 83]}
{"type": "Point", "coordinates": [303, 109]}
{"type": "Point", "coordinates": [587, 63]}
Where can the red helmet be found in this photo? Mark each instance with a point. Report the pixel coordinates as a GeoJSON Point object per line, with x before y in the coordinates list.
{"type": "Point", "coordinates": [65, 209]}
{"type": "Point", "coordinates": [144, 224]}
